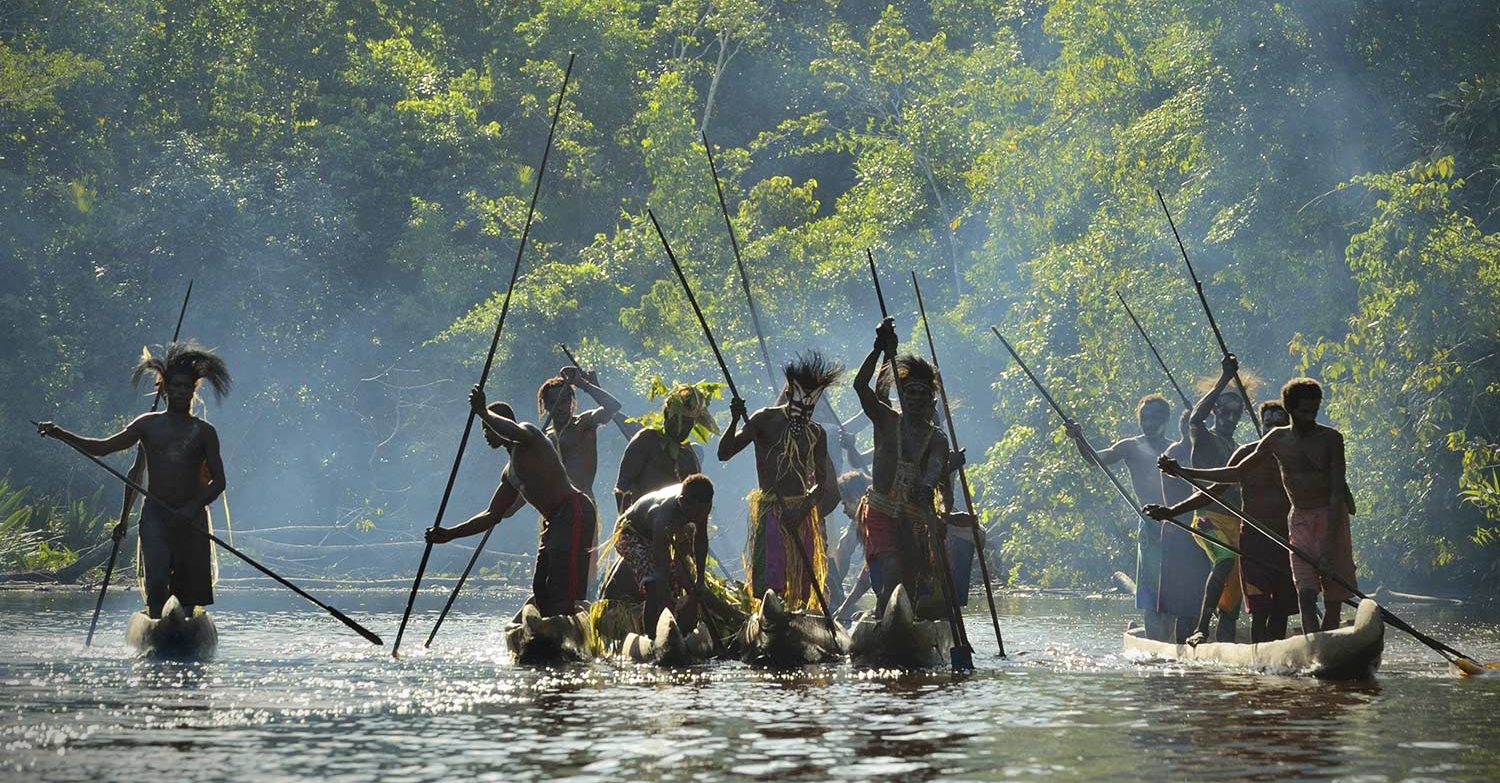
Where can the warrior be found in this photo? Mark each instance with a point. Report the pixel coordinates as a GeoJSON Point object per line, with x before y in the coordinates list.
{"type": "Point", "coordinates": [663, 540]}
{"type": "Point", "coordinates": [1313, 473]}
{"type": "Point", "coordinates": [1184, 566]}
{"type": "Point", "coordinates": [1139, 453]}
{"type": "Point", "coordinates": [910, 462]}
{"type": "Point", "coordinates": [798, 485]}
{"type": "Point", "coordinates": [659, 455]}
{"type": "Point", "coordinates": [186, 474]}
{"type": "Point", "coordinates": [1265, 575]}
{"type": "Point", "coordinates": [1212, 448]}
{"type": "Point", "coordinates": [536, 476]}
{"type": "Point", "coordinates": [576, 435]}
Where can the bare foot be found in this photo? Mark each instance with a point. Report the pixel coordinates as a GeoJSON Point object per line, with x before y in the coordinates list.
{"type": "Point", "coordinates": [1196, 639]}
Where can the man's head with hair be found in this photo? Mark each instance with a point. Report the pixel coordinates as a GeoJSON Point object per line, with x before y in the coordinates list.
{"type": "Point", "coordinates": [504, 411]}
{"type": "Point", "coordinates": [918, 385]}
{"type": "Point", "coordinates": [556, 397]}
{"type": "Point", "coordinates": [180, 369]}
{"type": "Point", "coordinates": [807, 377]}
{"type": "Point", "coordinates": [697, 497]}
{"type": "Point", "coordinates": [1152, 413]}
{"type": "Point", "coordinates": [853, 485]}
{"type": "Point", "coordinates": [1273, 414]}
{"type": "Point", "coordinates": [1302, 398]}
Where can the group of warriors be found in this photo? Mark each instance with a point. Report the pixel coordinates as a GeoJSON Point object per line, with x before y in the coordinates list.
{"type": "Point", "coordinates": [1291, 482]}
{"type": "Point", "coordinates": [901, 512]}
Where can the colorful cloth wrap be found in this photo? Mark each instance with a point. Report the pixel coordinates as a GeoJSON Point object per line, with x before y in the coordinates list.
{"type": "Point", "coordinates": [562, 555]}
{"type": "Point", "coordinates": [1307, 528]}
{"type": "Point", "coordinates": [1226, 528]}
{"type": "Point", "coordinates": [773, 561]}
{"type": "Point", "coordinates": [636, 551]}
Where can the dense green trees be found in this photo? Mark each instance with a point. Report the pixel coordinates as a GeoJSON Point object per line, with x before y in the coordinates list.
{"type": "Point", "coordinates": [346, 184]}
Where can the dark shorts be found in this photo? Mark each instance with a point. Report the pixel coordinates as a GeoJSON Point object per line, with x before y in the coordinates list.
{"type": "Point", "coordinates": [562, 555]}
{"type": "Point", "coordinates": [1266, 575]}
{"type": "Point", "coordinates": [176, 560]}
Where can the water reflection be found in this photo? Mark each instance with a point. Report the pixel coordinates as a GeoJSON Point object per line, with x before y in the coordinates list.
{"type": "Point", "coordinates": [288, 698]}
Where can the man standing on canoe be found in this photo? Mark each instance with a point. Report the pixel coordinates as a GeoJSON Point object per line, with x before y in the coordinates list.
{"type": "Point", "coordinates": [797, 484]}
{"type": "Point", "coordinates": [1212, 448]}
{"type": "Point", "coordinates": [657, 456]}
{"type": "Point", "coordinates": [1184, 566]}
{"type": "Point", "coordinates": [577, 434]}
{"type": "Point", "coordinates": [1139, 453]}
{"type": "Point", "coordinates": [663, 538]}
{"type": "Point", "coordinates": [910, 462]}
{"type": "Point", "coordinates": [1311, 458]}
{"type": "Point", "coordinates": [1265, 576]}
{"type": "Point", "coordinates": [537, 476]}
{"type": "Point", "coordinates": [660, 455]}
{"type": "Point", "coordinates": [185, 470]}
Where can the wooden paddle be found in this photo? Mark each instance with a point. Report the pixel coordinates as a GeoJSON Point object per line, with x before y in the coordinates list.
{"type": "Point", "coordinates": [489, 359]}
{"type": "Point", "coordinates": [137, 468]}
{"type": "Point", "coordinates": [340, 616]}
{"type": "Point", "coordinates": [963, 476]}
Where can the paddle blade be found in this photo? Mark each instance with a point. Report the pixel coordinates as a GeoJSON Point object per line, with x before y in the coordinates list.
{"type": "Point", "coordinates": [356, 627]}
{"type": "Point", "coordinates": [1472, 668]}
{"type": "Point", "coordinates": [962, 658]}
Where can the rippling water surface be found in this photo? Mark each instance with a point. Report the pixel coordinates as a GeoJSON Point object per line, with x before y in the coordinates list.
{"type": "Point", "coordinates": [293, 695]}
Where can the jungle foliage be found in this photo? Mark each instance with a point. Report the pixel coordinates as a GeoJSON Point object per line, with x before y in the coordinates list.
{"type": "Point", "coordinates": [346, 183]}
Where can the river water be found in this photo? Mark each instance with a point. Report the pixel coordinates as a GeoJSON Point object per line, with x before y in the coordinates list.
{"type": "Point", "coordinates": [292, 695]}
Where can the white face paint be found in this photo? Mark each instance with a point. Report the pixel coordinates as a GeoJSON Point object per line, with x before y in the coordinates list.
{"type": "Point", "coordinates": [799, 406]}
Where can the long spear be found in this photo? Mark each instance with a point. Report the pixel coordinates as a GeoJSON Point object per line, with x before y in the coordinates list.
{"type": "Point", "coordinates": [963, 477]}
{"type": "Point", "coordinates": [136, 469]}
{"type": "Point", "coordinates": [739, 263]}
{"type": "Point", "coordinates": [489, 359]}
{"type": "Point", "coordinates": [131, 484]}
{"type": "Point", "coordinates": [1218, 335]}
{"type": "Point", "coordinates": [708, 333]}
{"type": "Point", "coordinates": [961, 654]}
{"type": "Point", "coordinates": [1186, 404]}
{"type": "Point", "coordinates": [1093, 456]}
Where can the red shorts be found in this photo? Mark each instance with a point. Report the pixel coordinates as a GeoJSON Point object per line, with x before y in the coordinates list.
{"type": "Point", "coordinates": [562, 555]}
{"type": "Point", "coordinates": [880, 532]}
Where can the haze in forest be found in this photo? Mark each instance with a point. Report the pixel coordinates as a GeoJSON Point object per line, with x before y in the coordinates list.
{"type": "Point", "coordinates": [345, 188]}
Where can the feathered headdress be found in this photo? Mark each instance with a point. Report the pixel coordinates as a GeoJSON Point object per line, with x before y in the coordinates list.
{"type": "Point", "coordinates": [908, 368]}
{"type": "Point", "coordinates": [812, 371]}
{"type": "Point", "coordinates": [189, 357]}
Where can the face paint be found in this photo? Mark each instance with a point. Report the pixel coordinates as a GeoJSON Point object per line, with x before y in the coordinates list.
{"type": "Point", "coordinates": [918, 396]}
{"type": "Point", "coordinates": [799, 407]}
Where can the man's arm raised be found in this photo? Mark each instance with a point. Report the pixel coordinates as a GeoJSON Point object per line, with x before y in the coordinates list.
{"type": "Point", "coordinates": [734, 440]}
{"type": "Point", "coordinates": [874, 407]}
{"type": "Point", "coordinates": [608, 405]}
{"type": "Point", "coordinates": [1205, 405]}
{"type": "Point", "coordinates": [507, 429]}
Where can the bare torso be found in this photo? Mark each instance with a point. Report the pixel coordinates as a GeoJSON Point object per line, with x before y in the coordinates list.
{"type": "Point", "coordinates": [1307, 462]}
{"type": "Point", "coordinates": [647, 465]}
{"type": "Point", "coordinates": [178, 450]}
{"type": "Point", "coordinates": [785, 464]}
{"type": "Point", "coordinates": [1264, 497]}
{"type": "Point", "coordinates": [536, 470]}
{"type": "Point", "coordinates": [578, 443]}
{"type": "Point", "coordinates": [1139, 454]}
{"type": "Point", "coordinates": [921, 444]}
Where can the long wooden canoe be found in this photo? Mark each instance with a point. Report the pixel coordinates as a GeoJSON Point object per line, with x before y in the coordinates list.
{"type": "Point", "coordinates": [899, 639]}
{"type": "Point", "coordinates": [174, 635]}
{"type": "Point", "coordinates": [1349, 653]}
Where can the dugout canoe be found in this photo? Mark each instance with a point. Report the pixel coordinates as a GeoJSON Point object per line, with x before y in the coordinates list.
{"type": "Point", "coordinates": [1349, 653]}
{"type": "Point", "coordinates": [899, 639]}
{"type": "Point", "coordinates": [535, 640]}
{"type": "Point", "coordinates": [777, 638]}
{"type": "Point", "coordinates": [174, 635]}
